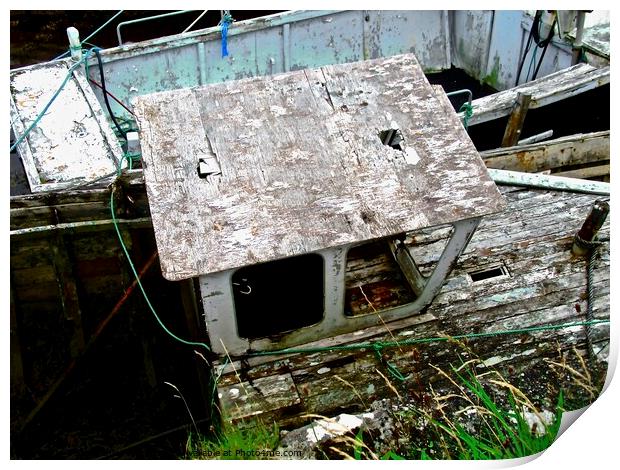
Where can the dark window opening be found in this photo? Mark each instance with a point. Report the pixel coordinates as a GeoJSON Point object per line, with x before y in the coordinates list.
{"type": "Point", "coordinates": [392, 138]}
{"type": "Point", "coordinates": [490, 273]}
{"type": "Point", "coordinates": [278, 297]}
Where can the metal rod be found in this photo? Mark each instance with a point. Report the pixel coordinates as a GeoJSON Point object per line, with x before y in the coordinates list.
{"type": "Point", "coordinates": [537, 180]}
{"type": "Point", "coordinates": [52, 390]}
{"type": "Point", "coordinates": [593, 223]}
{"type": "Point", "coordinates": [148, 18]}
{"type": "Point", "coordinates": [194, 22]}
{"type": "Point", "coordinates": [536, 138]}
{"type": "Point", "coordinates": [461, 92]}
{"type": "Point", "coordinates": [578, 43]}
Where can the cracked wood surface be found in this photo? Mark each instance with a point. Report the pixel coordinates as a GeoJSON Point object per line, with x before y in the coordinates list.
{"type": "Point", "coordinates": [302, 165]}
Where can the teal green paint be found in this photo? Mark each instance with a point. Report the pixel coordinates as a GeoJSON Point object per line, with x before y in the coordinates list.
{"type": "Point", "coordinates": [514, 295]}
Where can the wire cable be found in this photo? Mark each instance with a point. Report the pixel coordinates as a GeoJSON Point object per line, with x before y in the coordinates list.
{"type": "Point", "coordinates": [105, 95]}
{"type": "Point", "coordinates": [137, 277]}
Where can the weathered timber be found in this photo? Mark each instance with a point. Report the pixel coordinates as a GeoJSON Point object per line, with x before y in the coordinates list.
{"type": "Point", "coordinates": [93, 338]}
{"type": "Point", "coordinates": [549, 182]}
{"type": "Point", "coordinates": [317, 128]}
{"type": "Point", "coordinates": [73, 142]}
{"type": "Point", "coordinates": [545, 286]}
{"type": "Point", "coordinates": [18, 383]}
{"type": "Point", "coordinates": [516, 119]}
{"type": "Point", "coordinates": [75, 227]}
{"type": "Point", "coordinates": [63, 264]}
{"type": "Point", "coordinates": [554, 154]}
{"type": "Point", "coordinates": [586, 173]}
{"type": "Point", "coordinates": [546, 90]}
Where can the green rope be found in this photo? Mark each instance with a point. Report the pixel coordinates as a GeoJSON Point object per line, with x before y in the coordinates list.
{"type": "Point", "coordinates": [379, 345]}
{"type": "Point", "coordinates": [49, 103]}
{"type": "Point", "coordinates": [135, 273]}
{"type": "Point", "coordinates": [468, 111]}
{"type": "Point", "coordinates": [92, 34]}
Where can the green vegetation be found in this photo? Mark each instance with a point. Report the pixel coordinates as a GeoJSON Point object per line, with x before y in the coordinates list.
{"type": "Point", "coordinates": [235, 443]}
{"type": "Point", "coordinates": [497, 430]}
{"type": "Point", "coordinates": [470, 412]}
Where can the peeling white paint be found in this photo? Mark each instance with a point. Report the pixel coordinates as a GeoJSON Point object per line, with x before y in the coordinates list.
{"type": "Point", "coordinates": [332, 428]}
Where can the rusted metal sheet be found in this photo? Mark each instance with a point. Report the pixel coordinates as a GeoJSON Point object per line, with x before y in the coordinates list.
{"type": "Point", "coordinates": [303, 166]}
{"type": "Point", "coordinates": [73, 141]}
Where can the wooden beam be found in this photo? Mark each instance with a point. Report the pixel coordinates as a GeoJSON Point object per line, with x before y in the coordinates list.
{"type": "Point", "coordinates": [516, 120]}
{"type": "Point", "coordinates": [585, 173]}
{"type": "Point", "coordinates": [546, 90]}
{"type": "Point", "coordinates": [117, 308]}
{"type": "Point", "coordinates": [18, 383]}
{"type": "Point", "coordinates": [564, 151]}
{"type": "Point", "coordinates": [68, 293]}
{"type": "Point", "coordinates": [536, 180]}
{"type": "Point", "coordinates": [74, 227]}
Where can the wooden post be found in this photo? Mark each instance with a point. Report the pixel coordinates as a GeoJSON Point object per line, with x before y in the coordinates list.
{"type": "Point", "coordinates": [196, 328]}
{"type": "Point", "coordinates": [18, 384]}
{"type": "Point", "coordinates": [589, 229]}
{"type": "Point", "coordinates": [68, 293]}
{"type": "Point", "coordinates": [516, 119]}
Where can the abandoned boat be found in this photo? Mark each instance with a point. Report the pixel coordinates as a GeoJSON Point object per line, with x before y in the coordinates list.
{"type": "Point", "coordinates": [319, 203]}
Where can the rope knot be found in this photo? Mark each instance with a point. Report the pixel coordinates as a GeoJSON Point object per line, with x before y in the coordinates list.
{"type": "Point", "coordinates": [224, 23]}
{"type": "Point", "coordinates": [468, 111]}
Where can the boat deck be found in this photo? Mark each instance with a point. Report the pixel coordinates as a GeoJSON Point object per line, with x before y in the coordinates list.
{"type": "Point", "coordinates": [517, 273]}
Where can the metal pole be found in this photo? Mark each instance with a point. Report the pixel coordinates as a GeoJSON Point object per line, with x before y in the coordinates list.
{"type": "Point", "coordinates": [578, 43]}
{"type": "Point", "coordinates": [593, 223]}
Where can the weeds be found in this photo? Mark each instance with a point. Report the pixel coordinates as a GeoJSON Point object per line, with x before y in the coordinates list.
{"type": "Point", "coordinates": [234, 443]}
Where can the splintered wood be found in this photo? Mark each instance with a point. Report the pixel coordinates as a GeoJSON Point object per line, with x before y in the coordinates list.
{"type": "Point", "coordinates": [255, 170]}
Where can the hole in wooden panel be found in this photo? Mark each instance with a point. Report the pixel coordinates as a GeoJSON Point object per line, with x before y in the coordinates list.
{"type": "Point", "coordinates": [392, 138]}
{"type": "Point", "coordinates": [489, 273]}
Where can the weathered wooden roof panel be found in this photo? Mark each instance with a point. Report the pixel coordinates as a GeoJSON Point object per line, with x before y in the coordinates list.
{"type": "Point", "coordinates": [73, 141]}
{"type": "Point", "coordinates": [302, 164]}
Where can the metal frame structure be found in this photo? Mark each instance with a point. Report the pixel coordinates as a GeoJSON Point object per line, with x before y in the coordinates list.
{"type": "Point", "coordinates": [221, 319]}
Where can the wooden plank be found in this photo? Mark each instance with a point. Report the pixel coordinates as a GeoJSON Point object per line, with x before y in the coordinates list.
{"type": "Point", "coordinates": [79, 227]}
{"type": "Point", "coordinates": [63, 264]}
{"type": "Point", "coordinates": [571, 150]}
{"type": "Point", "coordinates": [18, 382]}
{"type": "Point", "coordinates": [258, 398]}
{"type": "Point", "coordinates": [516, 119]}
{"type": "Point", "coordinates": [317, 129]}
{"type": "Point", "coordinates": [587, 172]}
{"type": "Point", "coordinates": [73, 142]}
{"type": "Point", "coordinates": [549, 182]}
{"type": "Point", "coordinates": [48, 215]}
{"type": "Point", "coordinates": [546, 90]}
{"type": "Point", "coordinates": [546, 287]}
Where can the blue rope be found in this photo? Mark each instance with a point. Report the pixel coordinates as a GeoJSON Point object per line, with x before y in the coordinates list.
{"type": "Point", "coordinates": [49, 103]}
{"type": "Point", "coordinates": [225, 23]}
